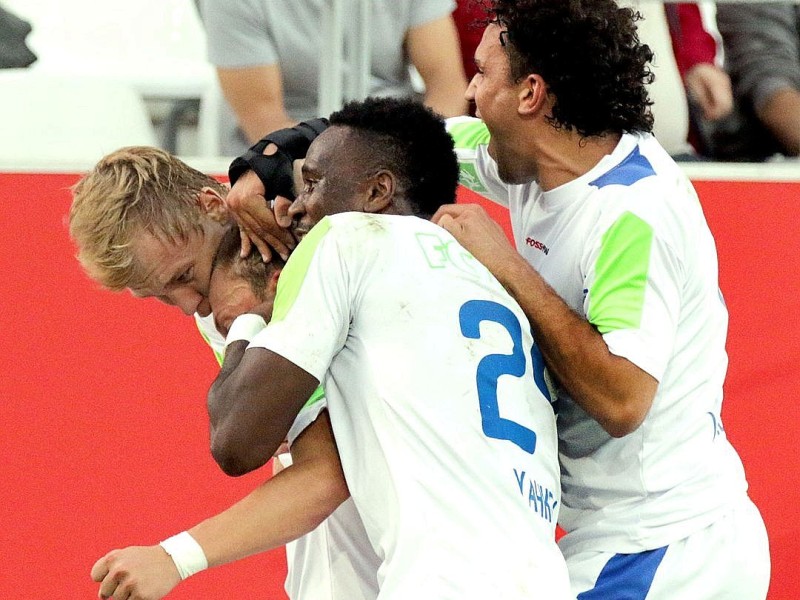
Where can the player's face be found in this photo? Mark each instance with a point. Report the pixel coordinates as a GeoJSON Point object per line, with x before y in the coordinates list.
{"type": "Point", "coordinates": [330, 183]}
{"type": "Point", "coordinates": [178, 272]}
{"type": "Point", "coordinates": [230, 296]}
{"type": "Point", "coordinates": [496, 99]}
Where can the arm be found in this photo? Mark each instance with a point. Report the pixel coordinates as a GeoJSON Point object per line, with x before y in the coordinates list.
{"type": "Point", "coordinates": [256, 96]}
{"type": "Point", "coordinates": [781, 115]}
{"type": "Point", "coordinates": [252, 404]}
{"type": "Point", "coordinates": [695, 51]}
{"type": "Point", "coordinates": [762, 54]}
{"type": "Point", "coordinates": [611, 389]}
{"type": "Point", "coordinates": [268, 517]}
{"type": "Point", "coordinates": [434, 50]}
{"type": "Point", "coordinates": [269, 169]}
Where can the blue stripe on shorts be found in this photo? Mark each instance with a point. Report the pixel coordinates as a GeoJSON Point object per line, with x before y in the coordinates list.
{"type": "Point", "coordinates": [626, 576]}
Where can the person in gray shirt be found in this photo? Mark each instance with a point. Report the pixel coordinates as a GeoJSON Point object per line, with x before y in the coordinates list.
{"type": "Point", "coordinates": [268, 53]}
{"type": "Point", "coordinates": [762, 55]}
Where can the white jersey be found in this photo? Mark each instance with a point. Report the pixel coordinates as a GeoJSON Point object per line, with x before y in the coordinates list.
{"type": "Point", "coordinates": [336, 560]}
{"type": "Point", "coordinates": [447, 444]}
{"type": "Point", "coordinates": [627, 246]}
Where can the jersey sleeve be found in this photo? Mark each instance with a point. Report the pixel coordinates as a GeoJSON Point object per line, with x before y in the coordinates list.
{"type": "Point", "coordinates": [425, 11]}
{"type": "Point", "coordinates": [307, 415]}
{"type": "Point", "coordinates": [310, 411]}
{"type": "Point", "coordinates": [238, 33]}
{"type": "Point", "coordinates": [212, 337]}
{"type": "Point", "coordinates": [632, 292]}
{"type": "Point", "coordinates": [311, 314]}
{"type": "Point", "coordinates": [478, 171]}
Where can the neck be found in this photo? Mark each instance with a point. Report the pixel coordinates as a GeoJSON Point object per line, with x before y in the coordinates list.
{"type": "Point", "coordinates": [563, 156]}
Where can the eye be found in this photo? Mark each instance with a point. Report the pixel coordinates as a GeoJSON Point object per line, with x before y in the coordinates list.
{"type": "Point", "coordinates": [308, 185]}
{"type": "Point", "coordinates": [185, 277]}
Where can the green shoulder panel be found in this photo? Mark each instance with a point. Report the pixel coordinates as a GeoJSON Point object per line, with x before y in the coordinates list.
{"type": "Point", "coordinates": [467, 136]}
{"type": "Point", "coordinates": [294, 272]}
{"type": "Point", "coordinates": [616, 298]}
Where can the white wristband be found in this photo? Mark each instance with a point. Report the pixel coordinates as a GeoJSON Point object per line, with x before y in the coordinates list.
{"type": "Point", "coordinates": [186, 553]}
{"type": "Point", "coordinates": [244, 328]}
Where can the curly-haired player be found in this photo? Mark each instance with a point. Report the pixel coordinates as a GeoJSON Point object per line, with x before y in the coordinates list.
{"type": "Point", "coordinates": [617, 272]}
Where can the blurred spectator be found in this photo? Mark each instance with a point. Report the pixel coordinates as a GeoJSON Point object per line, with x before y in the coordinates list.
{"type": "Point", "coordinates": [14, 51]}
{"type": "Point", "coordinates": [470, 20]}
{"type": "Point", "coordinates": [762, 55]}
{"type": "Point", "coordinates": [708, 87]}
{"type": "Point", "coordinates": [267, 56]}
{"type": "Point", "coordinates": [689, 92]}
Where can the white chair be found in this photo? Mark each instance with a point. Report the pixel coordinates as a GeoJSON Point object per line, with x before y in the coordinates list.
{"type": "Point", "coordinates": [49, 120]}
{"type": "Point", "coordinates": [157, 47]}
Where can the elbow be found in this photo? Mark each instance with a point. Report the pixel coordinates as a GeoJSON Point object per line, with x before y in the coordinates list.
{"type": "Point", "coordinates": [626, 417]}
{"type": "Point", "coordinates": [235, 460]}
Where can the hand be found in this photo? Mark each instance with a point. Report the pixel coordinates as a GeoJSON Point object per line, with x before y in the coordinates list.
{"type": "Point", "coordinates": [710, 87]}
{"type": "Point", "coordinates": [256, 219]}
{"type": "Point", "coordinates": [136, 573]}
{"type": "Point", "coordinates": [477, 232]}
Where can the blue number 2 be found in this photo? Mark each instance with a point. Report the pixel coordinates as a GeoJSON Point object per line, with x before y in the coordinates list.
{"type": "Point", "coordinates": [491, 367]}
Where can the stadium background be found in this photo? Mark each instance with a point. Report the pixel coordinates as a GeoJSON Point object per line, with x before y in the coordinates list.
{"type": "Point", "coordinates": [104, 431]}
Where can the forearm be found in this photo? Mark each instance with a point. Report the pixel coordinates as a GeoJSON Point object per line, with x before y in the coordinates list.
{"type": "Point", "coordinates": [434, 50]}
{"type": "Point", "coordinates": [781, 114]}
{"type": "Point", "coordinates": [288, 506]}
{"type": "Point", "coordinates": [447, 99]}
{"type": "Point", "coordinates": [256, 97]}
{"type": "Point", "coordinates": [251, 406]}
{"type": "Point", "coordinates": [609, 388]}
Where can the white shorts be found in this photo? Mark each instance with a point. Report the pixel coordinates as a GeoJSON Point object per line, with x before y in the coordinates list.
{"type": "Point", "coordinates": [728, 560]}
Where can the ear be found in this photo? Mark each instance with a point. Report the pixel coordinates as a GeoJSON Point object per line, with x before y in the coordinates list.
{"type": "Point", "coordinates": [213, 204]}
{"type": "Point", "coordinates": [380, 192]}
{"type": "Point", "coordinates": [272, 284]}
{"type": "Point", "coordinates": [532, 95]}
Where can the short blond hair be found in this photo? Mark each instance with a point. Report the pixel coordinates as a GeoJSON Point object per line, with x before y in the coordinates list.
{"type": "Point", "coordinates": [131, 191]}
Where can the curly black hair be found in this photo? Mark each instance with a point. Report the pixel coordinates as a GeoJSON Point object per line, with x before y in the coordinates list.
{"type": "Point", "coordinates": [589, 54]}
{"type": "Point", "coordinates": [411, 141]}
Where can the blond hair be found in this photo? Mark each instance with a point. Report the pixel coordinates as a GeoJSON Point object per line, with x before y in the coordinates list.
{"type": "Point", "coordinates": [129, 192]}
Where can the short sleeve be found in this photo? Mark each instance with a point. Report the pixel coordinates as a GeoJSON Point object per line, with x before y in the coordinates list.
{"type": "Point", "coordinates": [238, 33]}
{"type": "Point", "coordinates": [307, 415]}
{"type": "Point", "coordinates": [477, 170]}
{"type": "Point", "coordinates": [311, 314]}
{"type": "Point", "coordinates": [425, 11]}
{"type": "Point", "coordinates": [633, 292]}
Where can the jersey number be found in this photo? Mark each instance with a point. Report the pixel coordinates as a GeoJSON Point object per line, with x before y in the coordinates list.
{"type": "Point", "coordinates": [491, 367]}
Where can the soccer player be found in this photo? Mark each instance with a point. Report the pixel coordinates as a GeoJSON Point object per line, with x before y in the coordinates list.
{"type": "Point", "coordinates": [446, 441]}
{"type": "Point", "coordinates": [617, 272]}
{"type": "Point", "coordinates": [144, 208]}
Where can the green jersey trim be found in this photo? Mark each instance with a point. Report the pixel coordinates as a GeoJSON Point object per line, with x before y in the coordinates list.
{"type": "Point", "coordinates": [469, 135]}
{"type": "Point", "coordinates": [318, 395]}
{"type": "Point", "coordinates": [220, 356]}
{"type": "Point", "coordinates": [294, 273]}
{"type": "Point", "coordinates": [616, 298]}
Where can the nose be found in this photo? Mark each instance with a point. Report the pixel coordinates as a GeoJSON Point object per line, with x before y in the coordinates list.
{"type": "Point", "coordinates": [469, 93]}
{"type": "Point", "coordinates": [296, 208]}
{"type": "Point", "coordinates": [189, 301]}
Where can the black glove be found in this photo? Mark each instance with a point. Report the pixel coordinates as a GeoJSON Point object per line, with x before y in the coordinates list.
{"type": "Point", "coordinates": [275, 171]}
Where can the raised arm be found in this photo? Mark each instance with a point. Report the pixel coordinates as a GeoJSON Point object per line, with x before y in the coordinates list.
{"type": "Point", "coordinates": [611, 389]}
{"type": "Point", "coordinates": [269, 171]}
